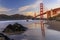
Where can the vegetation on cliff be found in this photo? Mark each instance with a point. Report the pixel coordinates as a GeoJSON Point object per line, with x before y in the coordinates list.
{"type": "Point", "coordinates": [57, 17]}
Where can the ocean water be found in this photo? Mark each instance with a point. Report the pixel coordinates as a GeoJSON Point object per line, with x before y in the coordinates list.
{"type": "Point", "coordinates": [34, 30]}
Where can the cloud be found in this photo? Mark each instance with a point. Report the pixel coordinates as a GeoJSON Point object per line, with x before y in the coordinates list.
{"type": "Point", "coordinates": [29, 13]}
{"type": "Point", "coordinates": [32, 6]}
{"type": "Point", "coordinates": [2, 9]}
{"type": "Point", "coordinates": [20, 10]}
{"type": "Point", "coordinates": [58, 0]}
{"type": "Point", "coordinates": [53, 5]}
{"type": "Point", "coordinates": [24, 8]}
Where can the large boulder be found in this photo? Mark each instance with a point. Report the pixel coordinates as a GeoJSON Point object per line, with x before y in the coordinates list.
{"type": "Point", "coordinates": [15, 28]}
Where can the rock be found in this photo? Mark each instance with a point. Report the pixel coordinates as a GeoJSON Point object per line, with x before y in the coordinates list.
{"type": "Point", "coordinates": [3, 37]}
{"type": "Point", "coordinates": [15, 28]}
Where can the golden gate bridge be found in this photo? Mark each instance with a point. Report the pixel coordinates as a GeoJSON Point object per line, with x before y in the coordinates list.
{"type": "Point", "coordinates": [48, 13]}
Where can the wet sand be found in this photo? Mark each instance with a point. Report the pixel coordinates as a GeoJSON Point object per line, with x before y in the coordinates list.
{"type": "Point", "coordinates": [55, 25]}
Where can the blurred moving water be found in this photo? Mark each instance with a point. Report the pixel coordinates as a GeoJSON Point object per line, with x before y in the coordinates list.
{"type": "Point", "coordinates": [33, 32]}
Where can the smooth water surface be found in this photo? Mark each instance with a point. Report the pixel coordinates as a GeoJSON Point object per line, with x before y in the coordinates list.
{"type": "Point", "coordinates": [33, 32]}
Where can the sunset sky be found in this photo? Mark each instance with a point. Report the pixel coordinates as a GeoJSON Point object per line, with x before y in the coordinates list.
{"type": "Point", "coordinates": [26, 6]}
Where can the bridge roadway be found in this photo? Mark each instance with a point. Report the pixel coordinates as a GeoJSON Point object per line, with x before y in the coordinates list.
{"type": "Point", "coordinates": [54, 11]}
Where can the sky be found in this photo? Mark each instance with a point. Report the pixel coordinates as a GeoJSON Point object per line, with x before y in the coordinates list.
{"type": "Point", "coordinates": [26, 7]}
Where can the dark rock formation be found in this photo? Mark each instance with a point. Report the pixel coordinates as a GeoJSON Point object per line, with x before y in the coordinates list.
{"type": "Point", "coordinates": [15, 28]}
{"type": "Point", "coordinates": [3, 37]}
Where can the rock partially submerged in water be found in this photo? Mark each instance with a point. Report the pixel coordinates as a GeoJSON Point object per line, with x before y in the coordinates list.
{"type": "Point", "coordinates": [4, 37]}
{"type": "Point", "coordinates": [14, 29]}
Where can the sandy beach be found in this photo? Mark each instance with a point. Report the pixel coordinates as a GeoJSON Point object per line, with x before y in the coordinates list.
{"type": "Point", "coordinates": [53, 24]}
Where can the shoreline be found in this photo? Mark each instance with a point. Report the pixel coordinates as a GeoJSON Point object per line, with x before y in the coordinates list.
{"type": "Point", "coordinates": [15, 33]}
{"type": "Point", "coordinates": [53, 24]}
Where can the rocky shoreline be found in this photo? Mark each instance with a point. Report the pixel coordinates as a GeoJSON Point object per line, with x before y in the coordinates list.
{"type": "Point", "coordinates": [53, 24]}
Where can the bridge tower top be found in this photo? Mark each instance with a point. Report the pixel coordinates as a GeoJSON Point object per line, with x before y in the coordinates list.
{"type": "Point", "coordinates": [41, 10]}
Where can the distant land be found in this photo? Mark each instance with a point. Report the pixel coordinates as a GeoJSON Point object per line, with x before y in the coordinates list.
{"type": "Point", "coordinates": [24, 17]}
{"type": "Point", "coordinates": [16, 17]}
{"type": "Point", "coordinates": [57, 17]}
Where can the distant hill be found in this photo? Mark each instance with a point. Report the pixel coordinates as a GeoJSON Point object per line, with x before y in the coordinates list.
{"type": "Point", "coordinates": [17, 17]}
{"type": "Point", "coordinates": [57, 17]}
{"type": "Point", "coordinates": [14, 17]}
